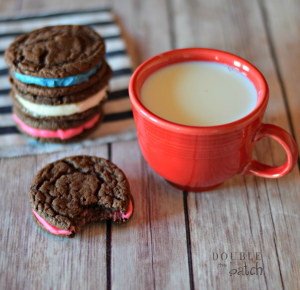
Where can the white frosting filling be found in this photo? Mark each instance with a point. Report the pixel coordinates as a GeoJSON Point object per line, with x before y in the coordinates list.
{"type": "Point", "coordinates": [62, 110]}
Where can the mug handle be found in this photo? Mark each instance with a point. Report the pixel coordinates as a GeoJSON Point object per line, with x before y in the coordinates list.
{"type": "Point", "coordinates": [257, 168]}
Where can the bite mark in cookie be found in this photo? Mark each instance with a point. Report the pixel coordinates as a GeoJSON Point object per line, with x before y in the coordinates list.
{"type": "Point", "coordinates": [56, 231]}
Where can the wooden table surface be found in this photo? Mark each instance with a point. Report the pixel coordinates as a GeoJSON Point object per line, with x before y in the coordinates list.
{"type": "Point", "coordinates": [175, 240]}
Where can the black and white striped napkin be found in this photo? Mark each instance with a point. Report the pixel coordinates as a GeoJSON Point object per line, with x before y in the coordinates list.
{"type": "Point", "coordinates": [118, 122]}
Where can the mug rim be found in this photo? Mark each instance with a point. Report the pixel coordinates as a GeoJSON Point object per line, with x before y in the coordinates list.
{"type": "Point", "coordinates": [214, 55]}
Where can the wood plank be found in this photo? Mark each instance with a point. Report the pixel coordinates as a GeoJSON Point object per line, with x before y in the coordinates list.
{"type": "Point", "coordinates": [42, 6]}
{"type": "Point", "coordinates": [246, 213]}
{"type": "Point", "coordinates": [31, 258]}
{"type": "Point", "coordinates": [150, 251]}
{"type": "Point", "coordinates": [164, 275]}
{"type": "Point", "coordinates": [283, 27]}
{"type": "Point", "coordinates": [144, 26]}
{"type": "Point", "coordinates": [10, 8]}
{"type": "Point", "coordinates": [147, 253]}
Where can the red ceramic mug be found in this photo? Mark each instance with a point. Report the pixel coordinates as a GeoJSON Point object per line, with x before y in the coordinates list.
{"type": "Point", "coordinates": [201, 158]}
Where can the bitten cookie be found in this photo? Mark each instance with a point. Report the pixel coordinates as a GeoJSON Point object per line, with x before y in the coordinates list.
{"type": "Point", "coordinates": [60, 81]}
{"type": "Point", "coordinates": [73, 191]}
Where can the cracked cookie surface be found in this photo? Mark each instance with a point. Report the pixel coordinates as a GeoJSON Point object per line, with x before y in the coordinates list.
{"type": "Point", "coordinates": [56, 51]}
{"type": "Point", "coordinates": [77, 188]}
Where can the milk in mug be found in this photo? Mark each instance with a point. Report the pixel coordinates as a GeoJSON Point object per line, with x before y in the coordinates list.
{"type": "Point", "coordinates": [199, 93]}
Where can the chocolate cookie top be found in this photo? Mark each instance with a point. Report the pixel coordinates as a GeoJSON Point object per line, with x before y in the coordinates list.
{"type": "Point", "coordinates": [63, 191]}
{"type": "Point", "coordinates": [56, 51]}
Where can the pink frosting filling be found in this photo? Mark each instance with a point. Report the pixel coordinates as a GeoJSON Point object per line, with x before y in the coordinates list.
{"type": "Point", "coordinates": [56, 231]}
{"type": "Point", "coordinates": [50, 228]}
{"type": "Point", "coordinates": [129, 211]}
{"type": "Point", "coordinates": [62, 134]}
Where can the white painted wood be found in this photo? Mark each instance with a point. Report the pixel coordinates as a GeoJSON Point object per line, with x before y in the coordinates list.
{"type": "Point", "coordinates": [246, 213]}
{"type": "Point", "coordinates": [149, 252]}
{"type": "Point", "coordinates": [33, 259]}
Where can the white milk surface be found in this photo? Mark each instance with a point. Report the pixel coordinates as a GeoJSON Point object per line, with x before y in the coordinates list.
{"type": "Point", "coordinates": [199, 93]}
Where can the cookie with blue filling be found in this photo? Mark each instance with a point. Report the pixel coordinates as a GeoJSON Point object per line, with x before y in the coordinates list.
{"type": "Point", "coordinates": [57, 91]}
{"type": "Point", "coordinates": [76, 97]}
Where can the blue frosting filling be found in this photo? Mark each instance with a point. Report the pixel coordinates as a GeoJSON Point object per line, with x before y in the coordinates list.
{"type": "Point", "coordinates": [52, 83]}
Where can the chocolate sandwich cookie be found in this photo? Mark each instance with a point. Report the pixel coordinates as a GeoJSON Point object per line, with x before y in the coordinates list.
{"type": "Point", "coordinates": [58, 89]}
{"type": "Point", "coordinates": [61, 136]}
{"type": "Point", "coordinates": [68, 193]}
{"type": "Point", "coordinates": [64, 99]}
{"type": "Point", "coordinates": [58, 130]}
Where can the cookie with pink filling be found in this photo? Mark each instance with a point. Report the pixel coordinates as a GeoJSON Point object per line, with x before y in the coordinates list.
{"type": "Point", "coordinates": [71, 192]}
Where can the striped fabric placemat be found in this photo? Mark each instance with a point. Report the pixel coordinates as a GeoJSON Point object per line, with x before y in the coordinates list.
{"type": "Point", "coordinates": [118, 123]}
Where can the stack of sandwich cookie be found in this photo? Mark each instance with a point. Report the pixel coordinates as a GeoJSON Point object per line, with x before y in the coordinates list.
{"type": "Point", "coordinates": [60, 80]}
{"type": "Point", "coordinates": [68, 193]}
